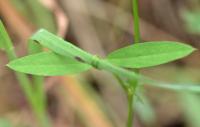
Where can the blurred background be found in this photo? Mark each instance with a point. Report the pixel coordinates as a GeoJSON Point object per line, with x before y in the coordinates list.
{"type": "Point", "coordinates": [94, 98]}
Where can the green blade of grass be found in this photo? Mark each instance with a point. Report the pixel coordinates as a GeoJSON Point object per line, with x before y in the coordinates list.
{"type": "Point", "coordinates": [170, 86]}
{"type": "Point", "coordinates": [6, 43]}
{"type": "Point", "coordinates": [23, 79]}
{"type": "Point", "coordinates": [36, 13]}
{"type": "Point", "coordinates": [191, 103]}
{"type": "Point", "coordinates": [145, 110]}
{"type": "Point", "coordinates": [38, 83]}
{"type": "Point", "coordinates": [42, 16]}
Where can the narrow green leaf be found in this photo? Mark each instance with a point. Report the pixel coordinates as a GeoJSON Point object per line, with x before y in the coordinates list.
{"type": "Point", "coordinates": [145, 110]}
{"type": "Point", "coordinates": [34, 47]}
{"type": "Point", "coordinates": [48, 64]}
{"type": "Point", "coordinates": [149, 54]}
{"type": "Point", "coordinates": [190, 104]}
{"type": "Point", "coordinates": [4, 38]}
{"type": "Point", "coordinates": [6, 43]}
{"type": "Point", "coordinates": [195, 88]}
{"type": "Point", "coordinates": [41, 16]}
{"type": "Point", "coordinates": [36, 13]}
{"type": "Point", "coordinates": [1, 35]}
{"type": "Point", "coordinates": [60, 46]}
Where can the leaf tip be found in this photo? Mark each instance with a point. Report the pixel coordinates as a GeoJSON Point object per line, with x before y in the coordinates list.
{"type": "Point", "coordinates": [41, 30]}
{"type": "Point", "coordinates": [9, 65]}
{"type": "Point", "coordinates": [192, 49]}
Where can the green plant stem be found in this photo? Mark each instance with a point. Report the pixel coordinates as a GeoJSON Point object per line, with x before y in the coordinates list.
{"type": "Point", "coordinates": [9, 49]}
{"type": "Point", "coordinates": [64, 48]}
{"type": "Point", "coordinates": [48, 40]}
{"type": "Point", "coordinates": [67, 49]}
{"type": "Point", "coordinates": [38, 82]}
{"type": "Point", "coordinates": [129, 89]}
{"type": "Point", "coordinates": [137, 39]}
{"type": "Point", "coordinates": [40, 15]}
{"type": "Point", "coordinates": [136, 19]}
{"type": "Point", "coordinates": [121, 82]}
{"type": "Point", "coordinates": [23, 79]}
{"type": "Point", "coordinates": [130, 109]}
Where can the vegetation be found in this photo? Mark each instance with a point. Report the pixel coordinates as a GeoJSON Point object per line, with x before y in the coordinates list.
{"type": "Point", "coordinates": [64, 58]}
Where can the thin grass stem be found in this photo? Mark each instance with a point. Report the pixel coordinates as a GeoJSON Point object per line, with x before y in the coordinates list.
{"type": "Point", "coordinates": [137, 39]}
{"type": "Point", "coordinates": [136, 19]}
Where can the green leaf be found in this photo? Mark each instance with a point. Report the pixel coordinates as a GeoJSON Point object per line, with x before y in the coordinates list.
{"type": "Point", "coordinates": [176, 87]}
{"type": "Point", "coordinates": [48, 64]}
{"type": "Point", "coordinates": [4, 38]}
{"type": "Point", "coordinates": [34, 47]}
{"type": "Point", "coordinates": [149, 54]}
{"type": "Point", "coordinates": [60, 46]}
{"type": "Point", "coordinates": [195, 88]}
{"type": "Point", "coordinates": [64, 48]}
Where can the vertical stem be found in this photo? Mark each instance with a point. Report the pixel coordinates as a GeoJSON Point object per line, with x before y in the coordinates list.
{"type": "Point", "coordinates": [133, 84]}
{"type": "Point", "coordinates": [38, 83]}
{"type": "Point", "coordinates": [136, 19]}
{"type": "Point", "coordinates": [130, 110]}
{"type": "Point", "coordinates": [9, 49]}
{"type": "Point", "coordinates": [25, 83]}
